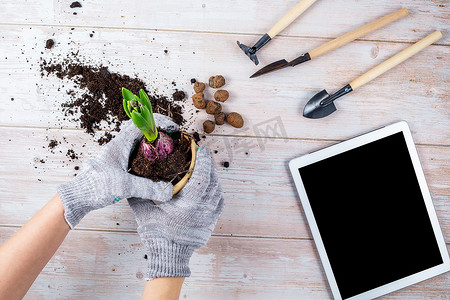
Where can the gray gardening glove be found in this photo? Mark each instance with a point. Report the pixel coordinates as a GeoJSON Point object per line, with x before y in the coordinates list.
{"type": "Point", "coordinates": [172, 230]}
{"type": "Point", "coordinates": [104, 180]}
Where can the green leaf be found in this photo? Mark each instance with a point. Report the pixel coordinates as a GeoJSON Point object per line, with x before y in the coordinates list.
{"type": "Point", "coordinates": [145, 100]}
{"type": "Point", "coordinates": [145, 113]}
{"type": "Point", "coordinates": [143, 126]}
{"type": "Point", "coordinates": [142, 115]}
{"type": "Point", "coordinates": [130, 107]}
{"type": "Point", "coordinates": [125, 107]}
{"type": "Point", "coordinates": [150, 120]}
{"type": "Point", "coordinates": [148, 105]}
{"type": "Point", "coordinates": [137, 99]}
{"type": "Point", "coordinates": [138, 120]}
{"type": "Point", "coordinates": [127, 95]}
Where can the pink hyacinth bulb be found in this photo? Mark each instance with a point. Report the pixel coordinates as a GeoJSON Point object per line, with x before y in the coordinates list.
{"type": "Point", "coordinates": [164, 145]}
{"type": "Point", "coordinates": [147, 150]}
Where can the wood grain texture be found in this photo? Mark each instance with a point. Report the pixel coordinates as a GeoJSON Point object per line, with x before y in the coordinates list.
{"type": "Point", "coordinates": [290, 17]}
{"type": "Point", "coordinates": [260, 199]}
{"type": "Point", "coordinates": [224, 269]}
{"type": "Point", "coordinates": [417, 91]}
{"type": "Point", "coordinates": [326, 19]}
{"type": "Point", "coordinates": [358, 33]}
{"type": "Point", "coordinates": [261, 247]}
{"type": "Point", "coordinates": [396, 59]}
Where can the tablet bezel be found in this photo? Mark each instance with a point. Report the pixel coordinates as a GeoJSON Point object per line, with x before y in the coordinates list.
{"type": "Point", "coordinates": [297, 163]}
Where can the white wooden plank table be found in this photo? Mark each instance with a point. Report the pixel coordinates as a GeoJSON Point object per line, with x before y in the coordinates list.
{"type": "Point", "coordinates": [261, 247]}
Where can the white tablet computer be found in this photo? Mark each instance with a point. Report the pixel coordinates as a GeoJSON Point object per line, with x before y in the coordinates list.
{"type": "Point", "coordinates": [370, 213]}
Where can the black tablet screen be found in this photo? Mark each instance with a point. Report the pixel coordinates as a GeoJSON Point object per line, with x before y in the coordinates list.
{"type": "Point", "coordinates": [371, 215]}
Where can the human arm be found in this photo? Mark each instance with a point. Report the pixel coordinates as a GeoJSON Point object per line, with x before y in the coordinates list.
{"type": "Point", "coordinates": [101, 182]}
{"type": "Point", "coordinates": [164, 288]}
{"type": "Point", "coordinates": [105, 180]}
{"type": "Point", "coordinates": [25, 254]}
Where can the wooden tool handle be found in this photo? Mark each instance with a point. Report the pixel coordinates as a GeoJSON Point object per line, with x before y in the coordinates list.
{"type": "Point", "coordinates": [290, 17]}
{"type": "Point", "coordinates": [395, 60]}
{"type": "Point", "coordinates": [353, 35]}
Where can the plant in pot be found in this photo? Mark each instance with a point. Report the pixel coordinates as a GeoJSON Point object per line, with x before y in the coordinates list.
{"type": "Point", "coordinates": [160, 155]}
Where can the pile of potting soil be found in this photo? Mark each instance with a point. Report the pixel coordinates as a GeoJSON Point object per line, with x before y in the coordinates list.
{"type": "Point", "coordinates": [101, 100]}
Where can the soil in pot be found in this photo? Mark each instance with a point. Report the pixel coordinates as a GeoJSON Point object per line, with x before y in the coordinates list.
{"type": "Point", "coordinates": [170, 170]}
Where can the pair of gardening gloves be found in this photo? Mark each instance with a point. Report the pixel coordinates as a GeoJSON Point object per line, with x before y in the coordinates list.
{"type": "Point", "coordinates": [172, 229]}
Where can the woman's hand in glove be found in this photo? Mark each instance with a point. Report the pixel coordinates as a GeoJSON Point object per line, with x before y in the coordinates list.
{"type": "Point", "coordinates": [172, 230]}
{"type": "Point", "coordinates": [105, 180]}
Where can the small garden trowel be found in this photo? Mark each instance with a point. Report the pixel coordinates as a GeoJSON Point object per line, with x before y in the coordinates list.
{"type": "Point", "coordinates": [334, 44]}
{"type": "Point", "coordinates": [322, 104]}
{"type": "Point", "coordinates": [282, 24]}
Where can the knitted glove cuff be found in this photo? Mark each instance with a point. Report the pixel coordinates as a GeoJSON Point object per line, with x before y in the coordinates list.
{"type": "Point", "coordinates": [168, 259]}
{"type": "Point", "coordinates": [75, 197]}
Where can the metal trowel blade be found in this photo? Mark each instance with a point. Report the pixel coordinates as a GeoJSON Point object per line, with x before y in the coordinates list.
{"type": "Point", "coordinates": [314, 109]}
{"type": "Point", "coordinates": [280, 64]}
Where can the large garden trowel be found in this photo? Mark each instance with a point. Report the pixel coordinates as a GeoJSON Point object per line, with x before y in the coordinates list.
{"type": "Point", "coordinates": [282, 24]}
{"type": "Point", "coordinates": [322, 104]}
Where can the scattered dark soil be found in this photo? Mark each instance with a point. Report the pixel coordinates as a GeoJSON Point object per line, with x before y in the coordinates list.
{"type": "Point", "coordinates": [49, 44]}
{"type": "Point", "coordinates": [178, 96]}
{"type": "Point", "coordinates": [52, 144]}
{"type": "Point", "coordinates": [106, 138]}
{"type": "Point", "coordinates": [94, 92]}
{"type": "Point", "coordinates": [71, 154]}
{"type": "Point", "coordinates": [196, 137]}
{"type": "Point", "coordinates": [170, 170]}
{"type": "Point", "coordinates": [102, 97]}
{"type": "Point", "coordinates": [75, 4]}
{"type": "Point", "coordinates": [226, 164]}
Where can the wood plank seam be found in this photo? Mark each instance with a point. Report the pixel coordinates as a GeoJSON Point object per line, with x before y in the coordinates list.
{"type": "Point", "coordinates": [234, 236]}
{"type": "Point", "coordinates": [214, 234]}
{"type": "Point", "coordinates": [213, 135]}
{"type": "Point", "coordinates": [207, 32]}
{"type": "Point", "coordinates": [237, 236]}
